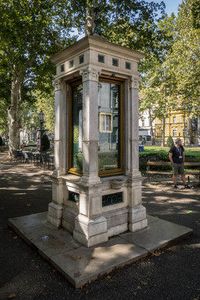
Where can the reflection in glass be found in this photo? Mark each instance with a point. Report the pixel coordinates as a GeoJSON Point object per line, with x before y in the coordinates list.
{"type": "Point", "coordinates": [105, 122]}
{"type": "Point", "coordinates": [109, 118]}
{"type": "Point", "coordinates": [109, 130]}
{"type": "Point", "coordinates": [77, 117]}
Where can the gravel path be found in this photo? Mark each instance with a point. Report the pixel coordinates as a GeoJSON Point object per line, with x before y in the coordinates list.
{"type": "Point", "coordinates": [171, 274]}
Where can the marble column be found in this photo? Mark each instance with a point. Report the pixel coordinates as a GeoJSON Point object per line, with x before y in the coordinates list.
{"type": "Point", "coordinates": [90, 225]}
{"type": "Point", "coordinates": [137, 212]}
{"type": "Point", "coordinates": [56, 206]}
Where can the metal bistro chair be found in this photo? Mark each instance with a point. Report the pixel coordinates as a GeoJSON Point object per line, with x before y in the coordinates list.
{"type": "Point", "coordinates": [47, 160]}
{"type": "Point", "coordinates": [36, 158]}
{"type": "Point", "coordinates": [18, 155]}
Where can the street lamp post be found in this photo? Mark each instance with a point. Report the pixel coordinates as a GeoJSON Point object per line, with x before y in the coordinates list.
{"type": "Point", "coordinates": [41, 119]}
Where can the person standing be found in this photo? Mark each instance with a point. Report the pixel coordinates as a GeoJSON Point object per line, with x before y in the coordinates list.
{"type": "Point", "coordinates": [177, 158]}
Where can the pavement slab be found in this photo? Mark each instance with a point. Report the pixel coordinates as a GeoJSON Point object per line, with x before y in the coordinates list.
{"type": "Point", "coordinates": [158, 234]}
{"type": "Point", "coordinates": [81, 265]}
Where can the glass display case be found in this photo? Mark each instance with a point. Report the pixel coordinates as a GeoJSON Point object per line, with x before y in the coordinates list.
{"type": "Point", "coordinates": [110, 128]}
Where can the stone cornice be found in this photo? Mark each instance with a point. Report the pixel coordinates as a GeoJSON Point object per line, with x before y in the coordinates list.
{"type": "Point", "coordinates": [98, 43]}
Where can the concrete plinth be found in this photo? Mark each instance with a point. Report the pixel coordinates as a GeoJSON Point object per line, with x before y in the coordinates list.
{"type": "Point", "coordinates": [137, 218]}
{"type": "Point", "coordinates": [90, 232]}
{"type": "Point", "coordinates": [80, 264]}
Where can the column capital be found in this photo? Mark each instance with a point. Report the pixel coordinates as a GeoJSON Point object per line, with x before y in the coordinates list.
{"type": "Point", "coordinates": [90, 73]}
{"type": "Point", "coordinates": [134, 82]}
{"type": "Point", "coordinates": [57, 83]}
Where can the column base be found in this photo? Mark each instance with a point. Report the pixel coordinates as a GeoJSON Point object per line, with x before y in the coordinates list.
{"type": "Point", "coordinates": [54, 215]}
{"type": "Point", "coordinates": [90, 232]}
{"type": "Point", "coordinates": [137, 218]}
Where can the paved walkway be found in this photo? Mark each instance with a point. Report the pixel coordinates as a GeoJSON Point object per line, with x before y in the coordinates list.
{"type": "Point", "coordinates": [24, 275]}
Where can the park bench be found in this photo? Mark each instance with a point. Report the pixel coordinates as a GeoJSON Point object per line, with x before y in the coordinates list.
{"type": "Point", "coordinates": [150, 172]}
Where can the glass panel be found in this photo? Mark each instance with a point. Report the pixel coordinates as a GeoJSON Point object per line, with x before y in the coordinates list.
{"type": "Point", "coordinates": [77, 119]}
{"type": "Point", "coordinates": [109, 120]}
{"type": "Point", "coordinates": [109, 130]}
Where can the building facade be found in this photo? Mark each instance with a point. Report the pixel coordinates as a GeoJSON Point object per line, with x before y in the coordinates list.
{"type": "Point", "coordinates": [178, 124]}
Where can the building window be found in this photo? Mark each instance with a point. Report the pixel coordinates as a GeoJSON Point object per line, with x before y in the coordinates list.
{"type": "Point", "coordinates": [71, 63]}
{"type": "Point", "coordinates": [115, 62]}
{"type": "Point", "coordinates": [174, 120]}
{"type": "Point", "coordinates": [174, 132]}
{"type": "Point", "coordinates": [101, 58]}
{"type": "Point", "coordinates": [81, 59]}
{"type": "Point", "coordinates": [105, 122]}
{"type": "Point", "coordinates": [110, 144]}
{"type": "Point", "coordinates": [127, 65]}
{"type": "Point", "coordinates": [62, 68]}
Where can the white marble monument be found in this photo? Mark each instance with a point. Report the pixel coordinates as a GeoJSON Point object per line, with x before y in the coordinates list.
{"type": "Point", "coordinates": [96, 190]}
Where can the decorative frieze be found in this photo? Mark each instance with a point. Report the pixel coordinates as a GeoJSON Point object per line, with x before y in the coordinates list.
{"type": "Point", "coordinates": [90, 74]}
{"type": "Point", "coordinates": [134, 82]}
{"type": "Point", "coordinates": [58, 84]}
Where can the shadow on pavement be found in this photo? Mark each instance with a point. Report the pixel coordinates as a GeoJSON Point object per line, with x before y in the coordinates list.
{"type": "Point", "coordinates": [172, 274]}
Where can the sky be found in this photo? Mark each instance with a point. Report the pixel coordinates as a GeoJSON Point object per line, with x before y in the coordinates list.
{"type": "Point", "coordinates": [171, 5]}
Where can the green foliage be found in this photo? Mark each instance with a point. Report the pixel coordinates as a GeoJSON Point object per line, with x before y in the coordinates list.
{"type": "Point", "coordinates": [30, 32]}
{"type": "Point", "coordinates": [45, 102]}
{"type": "Point", "coordinates": [183, 64]}
{"type": "Point", "coordinates": [128, 23]}
{"type": "Point", "coordinates": [195, 10]}
{"type": "Point", "coordinates": [156, 84]}
{"type": "Point", "coordinates": [172, 80]}
{"type": "Point", "coordinates": [170, 142]}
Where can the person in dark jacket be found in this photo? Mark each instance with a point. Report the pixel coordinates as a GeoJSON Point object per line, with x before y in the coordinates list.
{"type": "Point", "coordinates": [177, 158]}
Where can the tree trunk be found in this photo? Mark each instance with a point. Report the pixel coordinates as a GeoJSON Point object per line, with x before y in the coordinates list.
{"type": "Point", "coordinates": [13, 115]}
{"type": "Point", "coordinates": [151, 128]}
{"type": "Point", "coordinates": [90, 18]}
{"type": "Point", "coordinates": [163, 132]}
